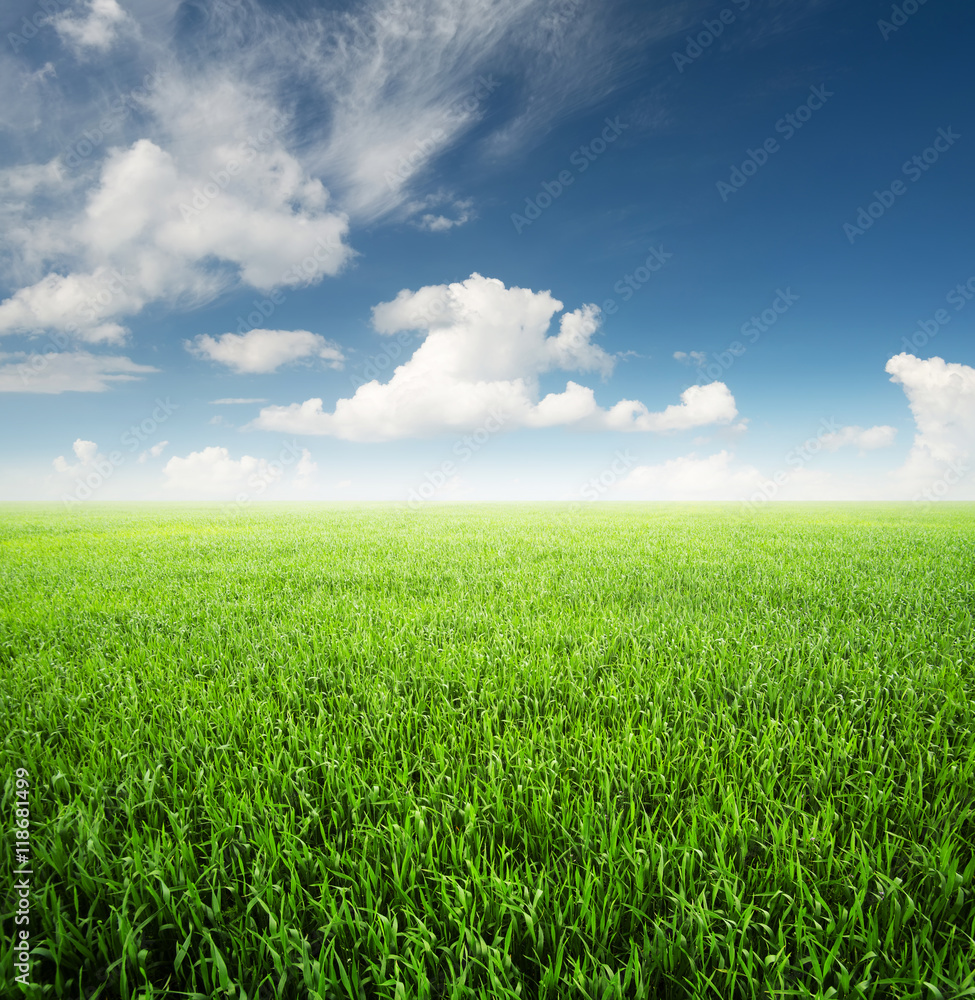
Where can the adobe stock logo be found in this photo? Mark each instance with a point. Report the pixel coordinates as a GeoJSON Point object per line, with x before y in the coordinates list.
{"type": "Point", "coordinates": [29, 27]}
{"type": "Point", "coordinates": [958, 297]}
{"type": "Point", "coordinates": [465, 449]}
{"type": "Point", "coordinates": [752, 329]}
{"type": "Point", "coordinates": [701, 41]}
{"type": "Point", "coordinates": [787, 126]}
{"type": "Point", "coordinates": [914, 169]}
{"type": "Point", "coordinates": [80, 148]}
{"type": "Point", "coordinates": [581, 158]}
{"type": "Point", "coordinates": [899, 16]}
{"type": "Point", "coordinates": [622, 462]}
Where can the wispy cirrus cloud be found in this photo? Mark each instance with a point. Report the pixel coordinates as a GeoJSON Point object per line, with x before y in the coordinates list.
{"type": "Point", "coordinates": [67, 371]}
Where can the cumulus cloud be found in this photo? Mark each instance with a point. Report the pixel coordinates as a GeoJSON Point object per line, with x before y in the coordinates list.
{"type": "Point", "coordinates": [866, 440]}
{"type": "Point", "coordinates": [82, 305]}
{"type": "Point", "coordinates": [178, 227]}
{"type": "Point", "coordinates": [97, 28]}
{"type": "Point", "coordinates": [721, 477]}
{"type": "Point", "coordinates": [433, 222]}
{"type": "Point", "coordinates": [942, 400]}
{"type": "Point", "coordinates": [440, 223]}
{"type": "Point", "coordinates": [213, 473]}
{"type": "Point", "coordinates": [699, 405]}
{"type": "Point", "coordinates": [484, 348]}
{"type": "Point", "coordinates": [20, 182]}
{"type": "Point", "coordinates": [67, 371]}
{"type": "Point", "coordinates": [263, 351]}
{"type": "Point", "coordinates": [304, 471]}
{"type": "Point", "coordinates": [154, 452]}
{"type": "Point", "coordinates": [690, 477]}
{"type": "Point", "coordinates": [941, 396]}
{"type": "Point", "coordinates": [692, 358]}
{"type": "Point", "coordinates": [87, 455]}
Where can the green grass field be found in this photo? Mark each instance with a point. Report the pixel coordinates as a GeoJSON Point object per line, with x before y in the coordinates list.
{"type": "Point", "coordinates": [491, 751]}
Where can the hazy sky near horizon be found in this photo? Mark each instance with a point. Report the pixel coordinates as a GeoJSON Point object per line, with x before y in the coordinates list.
{"type": "Point", "coordinates": [487, 250]}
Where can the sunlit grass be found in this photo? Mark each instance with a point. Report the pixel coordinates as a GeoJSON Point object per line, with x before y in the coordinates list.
{"type": "Point", "coordinates": [489, 751]}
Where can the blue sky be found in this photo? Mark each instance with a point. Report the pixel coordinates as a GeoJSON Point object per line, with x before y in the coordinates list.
{"type": "Point", "coordinates": [487, 251]}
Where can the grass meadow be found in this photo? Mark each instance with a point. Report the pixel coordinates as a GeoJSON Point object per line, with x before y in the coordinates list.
{"type": "Point", "coordinates": [489, 751]}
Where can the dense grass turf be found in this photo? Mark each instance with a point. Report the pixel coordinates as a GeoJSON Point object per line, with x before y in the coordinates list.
{"type": "Point", "coordinates": [488, 751]}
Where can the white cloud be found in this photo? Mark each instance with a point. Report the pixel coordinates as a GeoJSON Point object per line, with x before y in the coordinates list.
{"type": "Point", "coordinates": [691, 358]}
{"type": "Point", "coordinates": [40, 75]}
{"type": "Point", "coordinates": [200, 187]}
{"type": "Point", "coordinates": [154, 452]}
{"type": "Point", "coordinates": [213, 473]}
{"type": "Point", "coordinates": [29, 241]}
{"type": "Point", "coordinates": [720, 477]}
{"type": "Point", "coordinates": [690, 477]}
{"type": "Point", "coordinates": [304, 471]}
{"type": "Point", "coordinates": [79, 304]}
{"type": "Point", "coordinates": [942, 399]}
{"type": "Point", "coordinates": [97, 28]}
{"type": "Point", "coordinates": [263, 351]}
{"type": "Point", "coordinates": [230, 206]}
{"type": "Point", "coordinates": [87, 454]}
{"type": "Point", "coordinates": [440, 223]}
{"type": "Point", "coordinates": [484, 348]}
{"type": "Point", "coordinates": [23, 181]}
{"type": "Point", "coordinates": [394, 85]}
{"type": "Point", "coordinates": [463, 212]}
{"type": "Point", "coordinates": [866, 440]}
{"type": "Point", "coordinates": [66, 371]}
{"type": "Point", "coordinates": [699, 405]}
{"type": "Point", "coordinates": [404, 81]}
